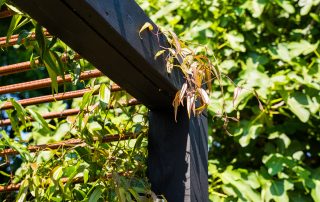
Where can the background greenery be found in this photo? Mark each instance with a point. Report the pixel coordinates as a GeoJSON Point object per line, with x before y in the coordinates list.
{"type": "Point", "coordinates": [269, 46]}
{"type": "Point", "coordinates": [272, 47]}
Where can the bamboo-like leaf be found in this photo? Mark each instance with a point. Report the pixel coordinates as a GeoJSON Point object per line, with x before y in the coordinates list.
{"type": "Point", "coordinates": [52, 71]}
{"type": "Point", "coordinates": [146, 25]}
{"type": "Point", "coordinates": [21, 197]}
{"type": "Point", "coordinates": [204, 96]}
{"type": "Point", "coordinates": [176, 104]}
{"type": "Point", "coordinates": [189, 106]}
{"type": "Point", "coordinates": [96, 194]}
{"type": "Point", "coordinates": [160, 52]}
{"type": "Point", "coordinates": [40, 38]}
{"type": "Point", "coordinates": [182, 92]}
{"type": "Point", "coordinates": [20, 111]}
{"type": "Point", "coordinates": [208, 79]}
{"type": "Point", "coordinates": [13, 24]}
{"type": "Point", "coordinates": [85, 176]}
{"type": "Point", "coordinates": [176, 43]}
{"type": "Point", "coordinates": [39, 119]}
{"type": "Point", "coordinates": [104, 95]}
{"type": "Point", "coordinates": [169, 66]}
{"type": "Point", "coordinates": [14, 9]}
{"type": "Point", "coordinates": [257, 96]}
{"type": "Point", "coordinates": [236, 93]}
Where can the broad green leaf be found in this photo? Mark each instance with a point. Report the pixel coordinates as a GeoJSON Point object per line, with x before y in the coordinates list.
{"type": "Point", "coordinates": [93, 126]}
{"type": "Point", "coordinates": [305, 5]}
{"type": "Point", "coordinates": [240, 187]}
{"type": "Point", "coordinates": [277, 190]}
{"type": "Point", "coordinates": [57, 173]}
{"type": "Point", "coordinates": [275, 164]}
{"type": "Point", "coordinates": [315, 192]}
{"type": "Point", "coordinates": [302, 47]}
{"type": "Point", "coordinates": [250, 132]}
{"type": "Point", "coordinates": [298, 109]}
{"type": "Point", "coordinates": [235, 40]}
{"type": "Point", "coordinates": [286, 5]}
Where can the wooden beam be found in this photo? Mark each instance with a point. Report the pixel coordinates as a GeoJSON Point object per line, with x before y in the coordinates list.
{"type": "Point", "coordinates": [106, 33]}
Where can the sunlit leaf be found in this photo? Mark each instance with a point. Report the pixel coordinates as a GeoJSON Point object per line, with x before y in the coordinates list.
{"type": "Point", "coordinates": [146, 25]}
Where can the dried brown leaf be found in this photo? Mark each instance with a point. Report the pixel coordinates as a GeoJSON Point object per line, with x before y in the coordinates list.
{"type": "Point", "coordinates": [146, 25]}
{"type": "Point", "coordinates": [236, 93]}
{"type": "Point", "coordinates": [257, 96]}
{"type": "Point", "coordinates": [182, 92]}
{"type": "Point", "coordinates": [189, 105]}
{"type": "Point", "coordinates": [204, 96]}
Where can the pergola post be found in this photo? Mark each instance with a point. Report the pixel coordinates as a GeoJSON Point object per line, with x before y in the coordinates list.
{"type": "Point", "coordinates": [178, 156]}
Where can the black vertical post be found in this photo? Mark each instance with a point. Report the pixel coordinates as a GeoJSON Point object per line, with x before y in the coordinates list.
{"type": "Point", "coordinates": [178, 156]}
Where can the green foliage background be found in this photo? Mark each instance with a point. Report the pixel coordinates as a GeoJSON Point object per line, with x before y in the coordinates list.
{"type": "Point", "coordinates": [272, 47]}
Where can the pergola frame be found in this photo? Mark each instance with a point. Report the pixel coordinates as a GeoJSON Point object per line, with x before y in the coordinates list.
{"type": "Point", "coordinates": [106, 33]}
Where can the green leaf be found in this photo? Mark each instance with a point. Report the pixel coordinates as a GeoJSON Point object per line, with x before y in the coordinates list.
{"type": "Point", "coordinates": [274, 164]}
{"type": "Point", "coordinates": [40, 38]}
{"type": "Point", "coordinates": [23, 191]}
{"type": "Point", "coordinates": [160, 52]}
{"type": "Point", "coordinates": [104, 96]}
{"type": "Point", "coordinates": [21, 112]}
{"type": "Point", "coordinates": [286, 5]}
{"type": "Point", "coordinates": [85, 175]}
{"type": "Point", "coordinates": [277, 190]}
{"type": "Point", "coordinates": [53, 69]}
{"type": "Point", "coordinates": [57, 173]}
{"type": "Point", "coordinates": [4, 173]}
{"type": "Point", "coordinates": [96, 194]}
{"type": "Point", "coordinates": [249, 132]}
{"type": "Point", "coordinates": [23, 35]}
{"type": "Point", "coordinates": [14, 22]}
{"type": "Point", "coordinates": [305, 5]}
{"type": "Point", "coordinates": [294, 104]}
{"type": "Point", "coordinates": [235, 40]}
{"type": "Point", "coordinates": [2, 2]}
{"type": "Point", "coordinates": [39, 119]}
{"type": "Point", "coordinates": [315, 192]}
{"type": "Point", "coordinates": [93, 126]}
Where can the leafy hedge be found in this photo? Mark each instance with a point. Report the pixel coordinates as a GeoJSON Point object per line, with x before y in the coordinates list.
{"type": "Point", "coordinates": [272, 47]}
